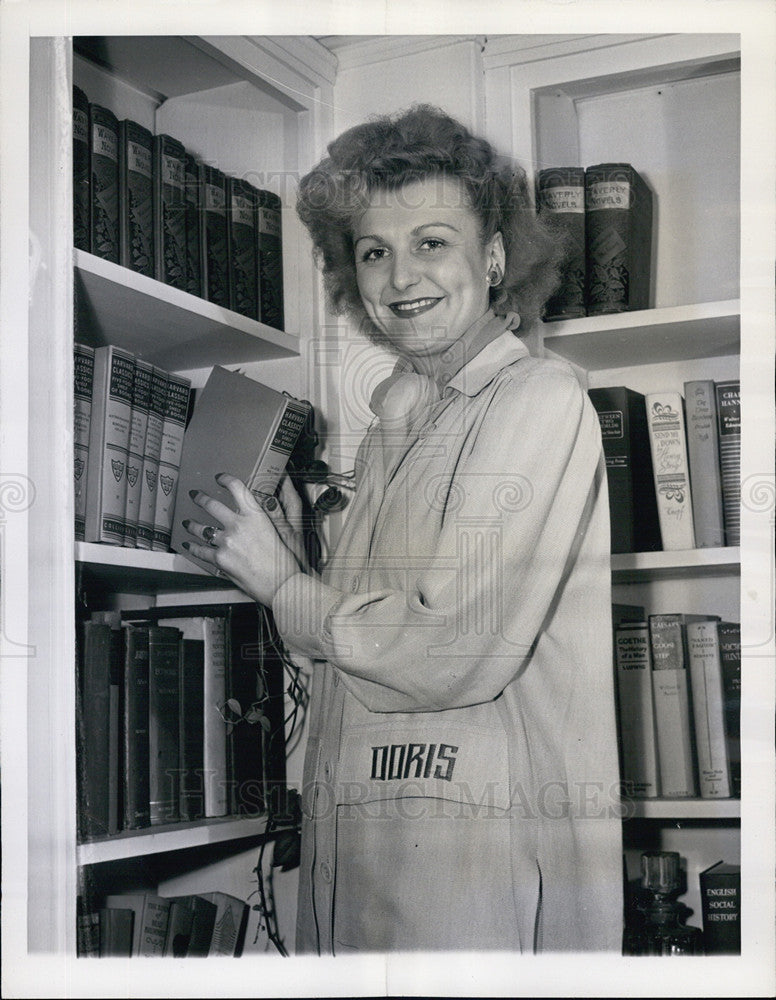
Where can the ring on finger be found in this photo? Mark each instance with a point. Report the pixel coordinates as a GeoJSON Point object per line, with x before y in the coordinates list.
{"type": "Point", "coordinates": [209, 533]}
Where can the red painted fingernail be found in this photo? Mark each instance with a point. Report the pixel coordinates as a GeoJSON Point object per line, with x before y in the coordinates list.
{"type": "Point", "coordinates": [193, 494]}
{"type": "Point", "coordinates": [270, 503]}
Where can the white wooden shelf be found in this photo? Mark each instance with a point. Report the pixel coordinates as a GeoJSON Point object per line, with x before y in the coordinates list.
{"type": "Point", "coordinates": [175, 837]}
{"type": "Point", "coordinates": [139, 571]}
{"type": "Point", "coordinates": [683, 809]}
{"type": "Point", "coordinates": [675, 333]}
{"type": "Point", "coordinates": [167, 326]}
{"type": "Point", "coordinates": [634, 567]}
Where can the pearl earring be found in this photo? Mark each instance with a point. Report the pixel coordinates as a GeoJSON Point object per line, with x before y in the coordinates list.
{"type": "Point", "coordinates": [494, 276]}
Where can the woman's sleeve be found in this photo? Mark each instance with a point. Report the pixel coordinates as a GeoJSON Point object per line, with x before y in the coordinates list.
{"type": "Point", "coordinates": [465, 624]}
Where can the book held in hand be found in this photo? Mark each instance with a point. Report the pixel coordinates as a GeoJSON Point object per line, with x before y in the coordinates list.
{"type": "Point", "coordinates": [241, 427]}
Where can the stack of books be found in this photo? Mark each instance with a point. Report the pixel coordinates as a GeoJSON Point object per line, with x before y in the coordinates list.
{"type": "Point", "coordinates": [142, 201]}
{"type": "Point", "coordinates": [604, 214]}
{"type": "Point", "coordinates": [673, 465]}
{"type": "Point", "coordinates": [679, 698]}
{"type": "Point", "coordinates": [147, 925]}
{"type": "Point", "coordinates": [131, 444]}
{"type": "Point", "coordinates": [180, 716]}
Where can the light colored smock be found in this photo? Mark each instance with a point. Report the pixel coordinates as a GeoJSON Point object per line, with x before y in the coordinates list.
{"type": "Point", "coordinates": [461, 778]}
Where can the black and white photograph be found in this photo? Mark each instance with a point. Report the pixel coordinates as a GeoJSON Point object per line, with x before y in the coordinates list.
{"type": "Point", "coordinates": [388, 498]}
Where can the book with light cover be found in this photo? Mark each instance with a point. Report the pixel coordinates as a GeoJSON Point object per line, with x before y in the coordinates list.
{"type": "Point", "coordinates": [241, 427]}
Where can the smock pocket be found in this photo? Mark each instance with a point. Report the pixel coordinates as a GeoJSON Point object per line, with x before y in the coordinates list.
{"type": "Point", "coordinates": [423, 838]}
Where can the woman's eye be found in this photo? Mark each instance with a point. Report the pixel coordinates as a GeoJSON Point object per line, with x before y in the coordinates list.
{"type": "Point", "coordinates": [432, 243]}
{"type": "Point", "coordinates": [374, 254]}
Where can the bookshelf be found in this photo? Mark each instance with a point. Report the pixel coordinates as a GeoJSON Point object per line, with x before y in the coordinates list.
{"type": "Point", "coordinates": [565, 111]}
{"type": "Point", "coordinates": [181, 86]}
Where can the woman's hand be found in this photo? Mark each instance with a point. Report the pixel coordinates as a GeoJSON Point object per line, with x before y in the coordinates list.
{"type": "Point", "coordinates": [258, 548]}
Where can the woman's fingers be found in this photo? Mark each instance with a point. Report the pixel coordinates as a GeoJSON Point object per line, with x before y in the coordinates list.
{"type": "Point", "coordinates": [242, 496]}
{"type": "Point", "coordinates": [214, 508]}
{"type": "Point", "coordinates": [292, 503]}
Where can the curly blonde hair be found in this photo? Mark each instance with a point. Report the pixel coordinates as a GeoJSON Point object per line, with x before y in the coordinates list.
{"type": "Point", "coordinates": [390, 151]}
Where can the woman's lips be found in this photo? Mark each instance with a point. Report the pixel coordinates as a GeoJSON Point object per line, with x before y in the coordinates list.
{"type": "Point", "coordinates": [413, 307]}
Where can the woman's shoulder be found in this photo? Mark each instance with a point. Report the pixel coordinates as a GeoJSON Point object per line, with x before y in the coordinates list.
{"type": "Point", "coordinates": [546, 375]}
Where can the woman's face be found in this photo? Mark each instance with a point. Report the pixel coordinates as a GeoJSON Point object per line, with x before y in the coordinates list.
{"type": "Point", "coordinates": [420, 265]}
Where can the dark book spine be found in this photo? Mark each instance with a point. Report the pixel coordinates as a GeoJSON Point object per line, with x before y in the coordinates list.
{"type": "Point", "coordinates": [193, 228]}
{"type": "Point", "coordinates": [163, 714]}
{"type": "Point", "coordinates": [169, 210]}
{"type": "Point", "coordinates": [625, 436]}
{"type": "Point", "coordinates": [104, 176]}
{"type": "Point", "coordinates": [83, 384]}
{"type": "Point", "coordinates": [274, 737]}
{"type": "Point", "coordinates": [721, 909]}
{"type": "Point", "coordinates": [729, 427]}
{"type": "Point", "coordinates": [248, 701]}
{"type": "Point", "coordinates": [136, 198]}
{"type": "Point", "coordinates": [191, 726]}
{"type": "Point", "coordinates": [202, 926]}
{"type": "Point", "coordinates": [215, 244]}
{"type": "Point", "coordinates": [560, 197]}
{"type": "Point", "coordinates": [81, 185]}
{"type": "Point", "coordinates": [115, 730]}
{"type": "Point", "coordinates": [243, 270]}
{"type": "Point", "coordinates": [730, 656]}
{"type": "Point", "coordinates": [618, 223]}
{"type": "Point", "coordinates": [136, 749]}
{"type": "Point", "coordinates": [94, 729]}
{"type": "Point", "coordinates": [117, 928]}
{"type": "Point", "coordinates": [270, 253]}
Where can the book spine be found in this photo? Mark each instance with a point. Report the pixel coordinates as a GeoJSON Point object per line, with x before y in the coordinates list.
{"type": "Point", "coordinates": [81, 171]}
{"type": "Point", "coordinates": [153, 932]}
{"type": "Point", "coordinates": [115, 729]}
{"type": "Point", "coordinates": [169, 211]}
{"type": "Point", "coordinates": [215, 243]}
{"type": "Point", "coordinates": [141, 397]}
{"type": "Point", "coordinates": [175, 413]}
{"type": "Point", "coordinates": [636, 710]}
{"type": "Point", "coordinates": [151, 451]}
{"type": "Point", "coordinates": [270, 258]}
{"type": "Point", "coordinates": [104, 176]}
{"type": "Point", "coordinates": [247, 697]}
{"type": "Point", "coordinates": [136, 758]}
{"type": "Point", "coordinates": [560, 194]}
{"type": "Point", "coordinates": [83, 384]}
{"type": "Point", "coordinates": [136, 198]}
{"type": "Point", "coordinates": [181, 916]}
{"type": "Point", "coordinates": [672, 708]}
{"type": "Point", "coordinates": [721, 909]}
{"type": "Point", "coordinates": [730, 656]}
{"type": "Point", "coordinates": [191, 736]}
{"type": "Point", "coordinates": [193, 232]}
{"type": "Point", "coordinates": [729, 426]}
{"type": "Point", "coordinates": [106, 483]}
{"type": "Point", "coordinates": [214, 728]}
{"type": "Point", "coordinates": [708, 710]}
{"type": "Point", "coordinates": [163, 737]}
{"type": "Point", "coordinates": [87, 940]}
{"type": "Point", "coordinates": [243, 270]}
{"type": "Point", "coordinates": [668, 443]}
{"type": "Point", "coordinates": [703, 458]}
{"type": "Point", "coordinates": [117, 932]}
{"type": "Point", "coordinates": [618, 221]}
{"type": "Point", "coordinates": [93, 729]}
{"type": "Point", "coordinates": [271, 465]}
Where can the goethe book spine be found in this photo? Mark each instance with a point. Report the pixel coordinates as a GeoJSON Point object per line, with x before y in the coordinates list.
{"type": "Point", "coordinates": [665, 414]}
{"type": "Point", "coordinates": [618, 206]}
{"type": "Point", "coordinates": [106, 486]}
{"type": "Point", "coordinates": [560, 194]}
{"type": "Point", "coordinates": [636, 710]}
{"type": "Point", "coordinates": [83, 380]}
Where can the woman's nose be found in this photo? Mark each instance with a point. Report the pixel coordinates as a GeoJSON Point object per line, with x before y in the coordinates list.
{"type": "Point", "coordinates": [404, 271]}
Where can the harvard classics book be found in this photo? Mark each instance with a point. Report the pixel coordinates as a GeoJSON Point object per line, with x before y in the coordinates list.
{"type": "Point", "coordinates": [241, 427]}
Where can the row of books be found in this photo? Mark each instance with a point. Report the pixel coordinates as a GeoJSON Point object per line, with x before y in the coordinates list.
{"type": "Point", "coordinates": [605, 215]}
{"type": "Point", "coordinates": [679, 701]}
{"type": "Point", "coordinates": [134, 440]}
{"type": "Point", "coordinates": [147, 925]}
{"type": "Point", "coordinates": [143, 201]}
{"type": "Point", "coordinates": [180, 716]}
{"type": "Point", "coordinates": [673, 465]}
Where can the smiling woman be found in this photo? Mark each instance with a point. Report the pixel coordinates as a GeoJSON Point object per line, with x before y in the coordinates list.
{"type": "Point", "coordinates": [461, 781]}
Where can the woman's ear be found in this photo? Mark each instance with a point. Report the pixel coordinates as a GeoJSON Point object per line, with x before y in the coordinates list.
{"type": "Point", "coordinates": [496, 254]}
